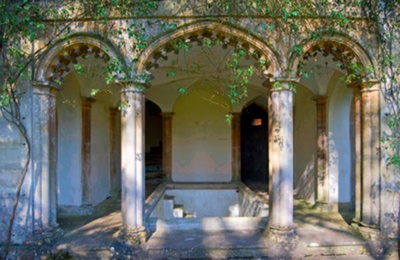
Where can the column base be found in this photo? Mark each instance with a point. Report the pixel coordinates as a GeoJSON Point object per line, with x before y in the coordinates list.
{"type": "Point", "coordinates": [368, 232]}
{"type": "Point", "coordinates": [283, 241]}
{"type": "Point", "coordinates": [281, 234]}
{"type": "Point", "coordinates": [132, 237]}
{"type": "Point", "coordinates": [47, 235]}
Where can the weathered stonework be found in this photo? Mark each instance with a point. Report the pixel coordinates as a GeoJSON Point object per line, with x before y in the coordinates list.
{"type": "Point", "coordinates": [371, 182]}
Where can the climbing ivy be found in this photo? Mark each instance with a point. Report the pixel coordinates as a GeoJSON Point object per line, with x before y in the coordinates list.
{"type": "Point", "coordinates": [25, 23]}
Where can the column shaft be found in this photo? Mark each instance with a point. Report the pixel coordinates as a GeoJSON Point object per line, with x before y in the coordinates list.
{"type": "Point", "coordinates": [322, 152]}
{"type": "Point", "coordinates": [114, 162]}
{"type": "Point", "coordinates": [356, 128]}
{"type": "Point", "coordinates": [167, 145]}
{"type": "Point", "coordinates": [44, 157]}
{"type": "Point", "coordinates": [281, 158]}
{"type": "Point", "coordinates": [132, 158]}
{"type": "Point", "coordinates": [236, 148]}
{"type": "Point", "coordinates": [370, 156]}
{"type": "Point", "coordinates": [86, 150]}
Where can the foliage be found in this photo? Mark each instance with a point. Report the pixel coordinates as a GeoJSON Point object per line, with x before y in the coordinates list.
{"type": "Point", "coordinates": [25, 23]}
{"type": "Point", "coordinates": [386, 25]}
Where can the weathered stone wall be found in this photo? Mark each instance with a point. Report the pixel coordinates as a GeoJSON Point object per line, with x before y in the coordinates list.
{"type": "Point", "coordinates": [13, 156]}
{"type": "Point", "coordinates": [217, 154]}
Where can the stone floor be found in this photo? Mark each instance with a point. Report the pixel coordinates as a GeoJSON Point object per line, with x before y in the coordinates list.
{"type": "Point", "coordinates": [319, 236]}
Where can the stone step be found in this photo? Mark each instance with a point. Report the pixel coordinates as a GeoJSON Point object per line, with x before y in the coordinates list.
{"type": "Point", "coordinates": [169, 202]}
{"type": "Point", "coordinates": [178, 211]}
{"type": "Point", "coordinates": [205, 253]}
{"type": "Point", "coordinates": [189, 215]}
{"type": "Point", "coordinates": [246, 253]}
{"type": "Point", "coordinates": [355, 251]}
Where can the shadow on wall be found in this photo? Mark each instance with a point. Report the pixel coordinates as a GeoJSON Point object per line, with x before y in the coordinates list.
{"type": "Point", "coordinates": [305, 188]}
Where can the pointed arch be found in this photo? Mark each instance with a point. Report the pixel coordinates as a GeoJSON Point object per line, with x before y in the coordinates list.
{"type": "Point", "coordinates": [55, 60]}
{"type": "Point", "coordinates": [228, 34]}
{"type": "Point", "coordinates": [354, 50]}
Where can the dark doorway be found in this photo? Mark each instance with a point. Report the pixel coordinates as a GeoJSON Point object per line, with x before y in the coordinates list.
{"type": "Point", "coordinates": [153, 140]}
{"type": "Point", "coordinates": [254, 144]}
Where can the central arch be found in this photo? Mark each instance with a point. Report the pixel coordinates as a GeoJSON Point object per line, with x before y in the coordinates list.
{"type": "Point", "coordinates": [228, 34]}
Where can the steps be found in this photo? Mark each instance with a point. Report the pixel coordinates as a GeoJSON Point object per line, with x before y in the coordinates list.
{"type": "Point", "coordinates": [172, 210]}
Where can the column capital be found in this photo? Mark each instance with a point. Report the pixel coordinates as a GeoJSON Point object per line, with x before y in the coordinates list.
{"type": "Point", "coordinates": [167, 114]}
{"type": "Point", "coordinates": [280, 84]}
{"type": "Point", "coordinates": [133, 86]}
{"type": "Point", "coordinates": [320, 99]}
{"type": "Point", "coordinates": [365, 85]}
{"type": "Point", "coordinates": [45, 84]}
{"type": "Point", "coordinates": [114, 109]}
{"type": "Point", "coordinates": [85, 101]}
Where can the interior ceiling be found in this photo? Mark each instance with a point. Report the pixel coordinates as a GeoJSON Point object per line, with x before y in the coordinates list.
{"type": "Point", "coordinates": [207, 66]}
{"type": "Point", "coordinates": [321, 70]}
{"type": "Point", "coordinates": [199, 65]}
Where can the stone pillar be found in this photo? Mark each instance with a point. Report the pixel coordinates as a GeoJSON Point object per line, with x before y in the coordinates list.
{"type": "Point", "coordinates": [44, 156]}
{"type": "Point", "coordinates": [167, 145]}
{"type": "Point", "coordinates": [236, 148]}
{"type": "Point", "coordinates": [114, 161]}
{"type": "Point", "coordinates": [281, 159]}
{"type": "Point", "coordinates": [322, 200]}
{"type": "Point", "coordinates": [86, 104]}
{"type": "Point", "coordinates": [356, 150]}
{"type": "Point", "coordinates": [132, 164]}
{"type": "Point", "coordinates": [370, 157]}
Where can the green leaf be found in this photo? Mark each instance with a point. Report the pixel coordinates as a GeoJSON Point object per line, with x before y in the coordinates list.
{"type": "Point", "coordinates": [182, 90]}
{"type": "Point", "coordinates": [94, 92]}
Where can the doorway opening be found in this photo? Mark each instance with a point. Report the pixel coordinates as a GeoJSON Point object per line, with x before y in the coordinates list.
{"type": "Point", "coordinates": [254, 144]}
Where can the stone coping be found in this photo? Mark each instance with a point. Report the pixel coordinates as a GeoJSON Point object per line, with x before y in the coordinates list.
{"type": "Point", "coordinates": [208, 223]}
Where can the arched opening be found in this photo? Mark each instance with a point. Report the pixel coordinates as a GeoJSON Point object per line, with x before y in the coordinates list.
{"type": "Point", "coordinates": [329, 66]}
{"type": "Point", "coordinates": [254, 144]}
{"type": "Point", "coordinates": [202, 71]}
{"type": "Point", "coordinates": [88, 136]}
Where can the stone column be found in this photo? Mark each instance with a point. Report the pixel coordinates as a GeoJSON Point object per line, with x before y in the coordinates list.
{"type": "Point", "coordinates": [370, 157]}
{"type": "Point", "coordinates": [44, 155]}
{"type": "Point", "coordinates": [167, 145]}
{"type": "Point", "coordinates": [132, 164]}
{"type": "Point", "coordinates": [322, 200]}
{"type": "Point", "coordinates": [281, 158]}
{"type": "Point", "coordinates": [114, 162]}
{"type": "Point", "coordinates": [356, 150]}
{"type": "Point", "coordinates": [236, 152]}
{"type": "Point", "coordinates": [86, 104]}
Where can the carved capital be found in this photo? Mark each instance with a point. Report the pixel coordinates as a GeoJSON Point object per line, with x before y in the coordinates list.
{"type": "Point", "coordinates": [280, 84]}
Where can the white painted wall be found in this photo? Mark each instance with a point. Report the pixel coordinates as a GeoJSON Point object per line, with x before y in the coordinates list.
{"type": "Point", "coordinates": [100, 150]}
{"type": "Point", "coordinates": [340, 170]}
{"type": "Point", "coordinates": [69, 118]}
{"type": "Point", "coordinates": [305, 143]}
{"type": "Point", "coordinates": [206, 203]}
{"type": "Point", "coordinates": [201, 139]}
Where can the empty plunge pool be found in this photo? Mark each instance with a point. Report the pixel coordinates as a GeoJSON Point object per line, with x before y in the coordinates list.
{"type": "Point", "coordinates": [205, 206]}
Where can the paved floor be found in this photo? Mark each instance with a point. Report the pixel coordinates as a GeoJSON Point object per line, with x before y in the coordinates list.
{"type": "Point", "coordinates": [320, 236]}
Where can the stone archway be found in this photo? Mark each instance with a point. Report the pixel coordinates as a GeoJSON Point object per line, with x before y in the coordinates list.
{"type": "Point", "coordinates": [280, 108]}
{"type": "Point", "coordinates": [211, 72]}
{"type": "Point", "coordinates": [214, 32]}
{"type": "Point", "coordinates": [362, 115]}
{"type": "Point", "coordinates": [51, 70]}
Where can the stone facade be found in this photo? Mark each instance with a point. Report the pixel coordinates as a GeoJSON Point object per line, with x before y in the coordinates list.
{"type": "Point", "coordinates": [324, 140]}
